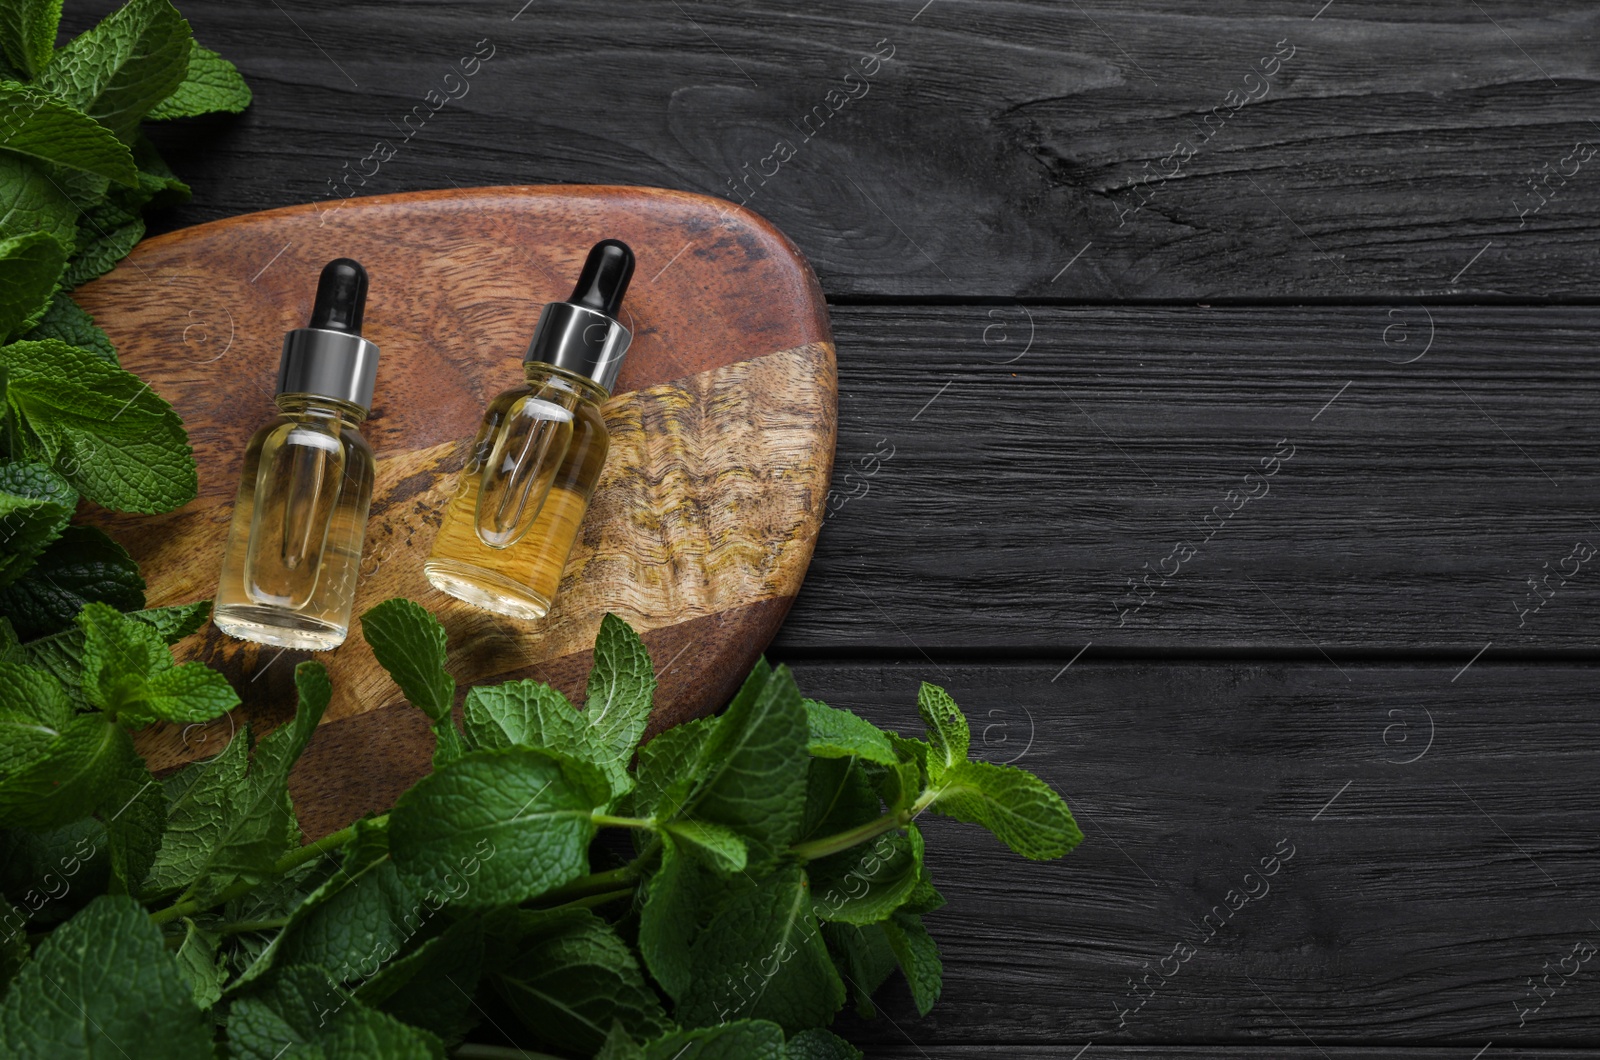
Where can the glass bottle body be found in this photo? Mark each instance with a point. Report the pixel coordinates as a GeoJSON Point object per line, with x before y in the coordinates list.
{"type": "Point", "coordinates": [294, 547]}
{"type": "Point", "coordinates": [514, 518]}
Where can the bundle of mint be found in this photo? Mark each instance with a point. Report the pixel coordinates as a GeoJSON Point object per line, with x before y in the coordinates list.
{"type": "Point", "coordinates": [775, 869]}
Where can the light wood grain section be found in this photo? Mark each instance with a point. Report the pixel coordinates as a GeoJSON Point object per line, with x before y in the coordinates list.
{"type": "Point", "coordinates": [709, 501]}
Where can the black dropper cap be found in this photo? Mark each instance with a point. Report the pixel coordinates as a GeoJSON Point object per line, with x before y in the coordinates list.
{"type": "Point", "coordinates": [605, 276]}
{"type": "Point", "coordinates": [583, 335]}
{"type": "Point", "coordinates": [328, 357]}
{"type": "Point", "coordinates": [341, 297]}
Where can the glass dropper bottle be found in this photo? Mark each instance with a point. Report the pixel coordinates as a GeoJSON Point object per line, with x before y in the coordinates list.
{"type": "Point", "coordinates": [294, 546]}
{"type": "Point", "coordinates": [534, 465]}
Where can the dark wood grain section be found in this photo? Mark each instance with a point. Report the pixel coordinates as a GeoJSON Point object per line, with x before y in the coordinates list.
{"type": "Point", "coordinates": [458, 280]}
{"type": "Point", "coordinates": [1023, 487]}
{"type": "Point", "coordinates": [722, 427]}
{"type": "Point", "coordinates": [996, 143]}
{"type": "Point", "coordinates": [1444, 850]}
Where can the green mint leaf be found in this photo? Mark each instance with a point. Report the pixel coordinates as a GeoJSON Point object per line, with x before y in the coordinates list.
{"type": "Point", "coordinates": [918, 955]}
{"type": "Point", "coordinates": [175, 621]}
{"type": "Point", "coordinates": [864, 959]}
{"type": "Point", "coordinates": [201, 797]}
{"type": "Point", "coordinates": [34, 711]}
{"type": "Point", "coordinates": [518, 714]}
{"type": "Point", "coordinates": [666, 768]}
{"type": "Point", "coordinates": [103, 985]}
{"type": "Point", "coordinates": [34, 124]}
{"type": "Point", "coordinates": [669, 918]}
{"type": "Point", "coordinates": [158, 184]}
{"type": "Point", "coordinates": [1020, 809]}
{"type": "Point", "coordinates": [213, 84]}
{"type": "Point", "coordinates": [622, 687]}
{"type": "Point", "coordinates": [117, 71]}
{"type": "Point", "coordinates": [530, 714]}
{"type": "Point", "coordinates": [838, 733]}
{"type": "Point", "coordinates": [360, 911]}
{"type": "Point", "coordinates": [432, 986]}
{"type": "Point", "coordinates": [227, 822]}
{"type": "Point", "coordinates": [301, 1014]}
{"type": "Point", "coordinates": [947, 729]}
{"type": "Point", "coordinates": [38, 482]}
{"type": "Point", "coordinates": [839, 796]}
{"type": "Point", "coordinates": [66, 321]}
{"type": "Point", "coordinates": [864, 884]}
{"type": "Point", "coordinates": [134, 812]}
{"type": "Point", "coordinates": [113, 438]}
{"type": "Point", "coordinates": [275, 898]}
{"type": "Point", "coordinates": [28, 33]}
{"type": "Point", "coordinates": [128, 672]}
{"type": "Point", "coordinates": [29, 266]}
{"type": "Point", "coordinates": [410, 643]}
{"type": "Point", "coordinates": [818, 1044]}
{"type": "Point", "coordinates": [753, 768]}
{"type": "Point", "coordinates": [448, 745]}
{"type": "Point", "coordinates": [35, 504]}
{"type": "Point", "coordinates": [924, 897]}
{"type": "Point", "coordinates": [763, 957]}
{"type": "Point", "coordinates": [739, 1040]}
{"type": "Point", "coordinates": [574, 977]}
{"type": "Point", "coordinates": [13, 943]}
{"type": "Point", "coordinates": [67, 780]}
{"type": "Point", "coordinates": [80, 567]}
{"type": "Point", "coordinates": [619, 1046]}
{"type": "Point", "coordinates": [76, 849]}
{"type": "Point", "coordinates": [197, 963]}
{"type": "Point", "coordinates": [34, 203]}
{"type": "Point", "coordinates": [108, 233]}
{"type": "Point", "coordinates": [720, 848]}
{"type": "Point", "coordinates": [189, 693]}
{"type": "Point", "coordinates": [61, 654]}
{"type": "Point", "coordinates": [521, 812]}
{"type": "Point", "coordinates": [904, 782]}
{"type": "Point", "coordinates": [84, 189]}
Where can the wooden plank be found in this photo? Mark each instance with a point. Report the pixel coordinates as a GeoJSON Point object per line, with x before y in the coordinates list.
{"type": "Point", "coordinates": [1428, 881]}
{"type": "Point", "coordinates": [989, 495]}
{"type": "Point", "coordinates": [1391, 154]}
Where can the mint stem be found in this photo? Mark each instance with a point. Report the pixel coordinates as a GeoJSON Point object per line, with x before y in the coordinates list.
{"type": "Point", "coordinates": [240, 926]}
{"type": "Point", "coordinates": [288, 863]}
{"type": "Point", "coordinates": [832, 844]}
{"type": "Point", "coordinates": [821, 848]}
{"type": "Point", "coordinates": [191, 906]}
{"type": "Point", "coordinates": [594, 884]}
{"type": "Point", "coordinates": [311, 851]}
{"type": "Point", "coordinates": [594, 900]}
{"type": "Point", "coordinates": [605, 820]}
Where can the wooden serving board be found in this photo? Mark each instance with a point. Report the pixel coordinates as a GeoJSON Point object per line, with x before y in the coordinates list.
{"type": "Point", "coordinates": [700, 532]}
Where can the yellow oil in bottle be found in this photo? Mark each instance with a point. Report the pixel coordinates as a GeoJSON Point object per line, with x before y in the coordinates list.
{"type": "Point", "coordinates": [503, 548]}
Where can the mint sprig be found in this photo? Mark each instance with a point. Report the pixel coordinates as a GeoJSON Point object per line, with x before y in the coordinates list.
{"type": "Point", "coordinates": [777, 868]}
{"type": "Point", "coordinates": [76, 175]}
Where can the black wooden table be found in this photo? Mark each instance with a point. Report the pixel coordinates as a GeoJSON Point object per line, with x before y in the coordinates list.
{"type": "Point", "coordinates": [1217, 424]}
